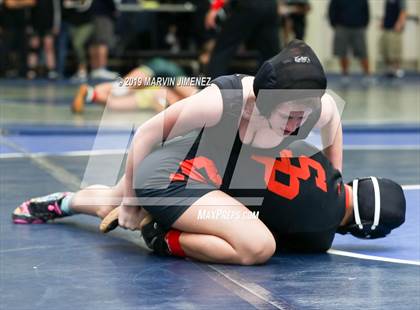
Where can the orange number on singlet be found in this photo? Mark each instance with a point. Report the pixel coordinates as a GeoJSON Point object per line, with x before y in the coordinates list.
{"type": "Point", "coordinates": [191, 167]}
{"type": "Point", "coordinates": [283, 165]}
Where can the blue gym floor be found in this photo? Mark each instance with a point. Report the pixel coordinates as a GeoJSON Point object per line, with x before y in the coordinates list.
{"type": "Point", "coordinates": [68, 264]}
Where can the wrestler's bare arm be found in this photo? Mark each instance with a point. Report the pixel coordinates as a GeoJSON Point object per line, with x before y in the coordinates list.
{"type": "Point", "coordinates": [331, 131]}
{"type": "Point", "coordinates": [202, 109]}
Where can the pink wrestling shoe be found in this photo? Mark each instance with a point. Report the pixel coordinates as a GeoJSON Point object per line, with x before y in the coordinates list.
{"type": "Point", "coordinates": [39, 210]}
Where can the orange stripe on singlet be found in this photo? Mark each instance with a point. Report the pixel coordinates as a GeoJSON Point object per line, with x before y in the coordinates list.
{"type": "Point", "coordinates": [347, 194]}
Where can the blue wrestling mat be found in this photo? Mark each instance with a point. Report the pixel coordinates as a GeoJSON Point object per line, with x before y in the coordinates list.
{"type": "Point", "coordinates": [68, 264]}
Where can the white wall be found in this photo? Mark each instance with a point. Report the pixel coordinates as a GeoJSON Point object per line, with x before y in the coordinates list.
{"type": "Point", "coordinates": [320, 35]}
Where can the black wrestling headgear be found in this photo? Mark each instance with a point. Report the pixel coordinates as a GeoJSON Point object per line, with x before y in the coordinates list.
{"type": "Point", "coordinates": [378, 207]}
{"type": "Point", "coordinates": [295, 67]}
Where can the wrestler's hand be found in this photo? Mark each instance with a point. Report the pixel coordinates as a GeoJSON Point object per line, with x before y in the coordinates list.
{"type": "Point", "coordinates": [110, 222]}
{"type": "Point", "coordinates": [129, 217]}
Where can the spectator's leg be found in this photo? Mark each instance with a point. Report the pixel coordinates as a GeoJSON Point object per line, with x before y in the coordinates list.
{"type": "Point", "coordinates": [268, 33]}
{"type": "Point", "coordinates": [396, 53]}
{"type": "Point", "coordinates": [8, 49]}
{"type": "Point", "coordinates": [15, 41]}
{"type": "Point", "coordinates": [33, 56]}
{"type": "Point", "coordinates": [62, 48]}
{"type": "Point", "coordinates": [364, 62]}
{"type": "Point", "coordinates": [22, 45]}
{"type": "Point", "coordinates": [344, 65]}
{"type": "Point", "coordinates": [341, 40]}
{"type": "Point", "coordinates": [49, 52]}
{"type": "Point", "coordinates": [383, 48]}
{"type": "Point", "coordinates": [80, 35]}
{"type": "Point", "coordinates": [102, 54]}
{"type": "Point", "coordinates": [235, 30]}
{"type": "Point", "coordinates": [103, 39]}
{"type": "Point", "coordinates": [93, 56]}
{"type": "Point", "coordinates": [360, 49]}
{"type": "Point", "coordinates": [299, 26]}
{"type": "Point", "coordinates": [287, 28]}
{"type": "Point", "coordinates": [3, 53]}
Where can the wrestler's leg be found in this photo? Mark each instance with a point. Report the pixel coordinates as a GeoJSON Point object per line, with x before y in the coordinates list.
{"type": "Point", "coordinates": [96, 200]}
{"type": "Point", "coordinates": [100, 93]}
{"type": "Point", "coordinates": [136, 77]}
{"type": "Point", "coordinates": [132, 80]}
{"type": "Point", "coordinates": [185, 91]}
{"type": "Point", "coordinates": [171, 97]}
{"type": "Point", "coordinates": [224, 240]}
{"type": "Point", "coordinates": [147, 98]}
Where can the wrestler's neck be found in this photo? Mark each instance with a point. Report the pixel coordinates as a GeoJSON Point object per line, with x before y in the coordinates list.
{"type": "Point", "coordinates": [348, 215]}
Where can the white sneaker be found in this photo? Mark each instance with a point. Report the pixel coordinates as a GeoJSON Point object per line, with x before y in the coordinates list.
{"type": "Point", "coordinates": [103, 74]}
{"type": "Point", "coordinates": [52, 75]}
{"type": "Point", "coordinates": [399, 73]}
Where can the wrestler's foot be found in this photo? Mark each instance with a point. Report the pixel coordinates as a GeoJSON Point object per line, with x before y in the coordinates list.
{"type": "Point", "coordinates": [79, 101]}
{"type": "Point", "coordinates": [154, 236]}
{"type": "Point", "coordinates": [39, 210]}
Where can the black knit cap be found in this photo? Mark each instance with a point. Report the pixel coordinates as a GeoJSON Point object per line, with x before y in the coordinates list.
{"type": "Point", "coordinates": [295, 67]}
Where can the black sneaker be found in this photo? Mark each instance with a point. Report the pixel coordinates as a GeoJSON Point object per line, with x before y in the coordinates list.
{"type": "Point", "coordinates": [154, 236]}
{"type": "Point", "coordinates": [39, 210]}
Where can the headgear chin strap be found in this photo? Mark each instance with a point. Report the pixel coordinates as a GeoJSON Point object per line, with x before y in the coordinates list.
{"type": "Point", "coordinates": [378, 207]}
{"type": "Point", "coordinates": [377, 196]}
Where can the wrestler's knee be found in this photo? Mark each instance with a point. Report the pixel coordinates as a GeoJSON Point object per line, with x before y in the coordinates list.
{"type": "Point", "coordinates": [106, 197]}
{"type": "Point", "coordinates": [257, 251]}
{"type": "Point", "coordinates": [103, 211]}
